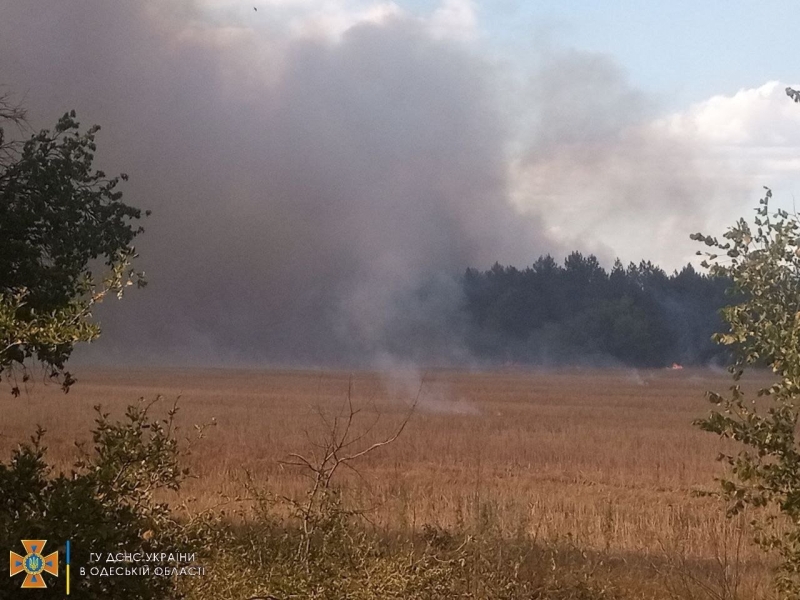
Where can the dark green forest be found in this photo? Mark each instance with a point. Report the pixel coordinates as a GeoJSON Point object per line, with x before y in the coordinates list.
{"type": "Point", "coordinates": [580, 313]}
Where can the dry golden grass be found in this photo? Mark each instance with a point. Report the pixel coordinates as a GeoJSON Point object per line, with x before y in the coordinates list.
{"type": "Point", "coordinates": [606, 459]}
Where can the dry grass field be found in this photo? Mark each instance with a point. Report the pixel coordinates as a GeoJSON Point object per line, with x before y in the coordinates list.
{"type": "Point", "coordinates": [606, 460]}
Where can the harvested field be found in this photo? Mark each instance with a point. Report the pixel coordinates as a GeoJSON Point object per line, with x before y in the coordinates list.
{"type": "Point", "coordinates": [606, 460]}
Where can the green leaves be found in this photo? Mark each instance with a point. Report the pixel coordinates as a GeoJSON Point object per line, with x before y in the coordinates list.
{"type": "Point", "coordinates": [764, 330]}
{"type": "Point", "coordinates": [112, 500]}
{"type": "Point", "coordinates": [58, 215]}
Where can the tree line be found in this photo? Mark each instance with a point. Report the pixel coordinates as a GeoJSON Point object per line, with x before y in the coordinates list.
{"type": "Point", "coordinates": [580, 313]}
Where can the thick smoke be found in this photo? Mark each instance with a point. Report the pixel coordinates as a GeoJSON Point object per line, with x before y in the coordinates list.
{"type": "Point", "coordinates": [313, 198]}
{"type": "Point", "coordinates": [599, 162]}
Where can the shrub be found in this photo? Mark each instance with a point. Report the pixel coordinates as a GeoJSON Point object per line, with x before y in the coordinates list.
{"type": "Point", "coordinates": [107, 503]}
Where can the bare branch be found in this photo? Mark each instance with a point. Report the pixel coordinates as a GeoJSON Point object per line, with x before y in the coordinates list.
{"type": "Point", "coordinates": [11, 111]}
{"type": "Point", "coordinates": [337, 438]}
{"type": "Point", "coordinates": [397, 433]}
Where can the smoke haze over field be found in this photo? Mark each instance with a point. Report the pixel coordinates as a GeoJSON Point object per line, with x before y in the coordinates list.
{"type": "Point", "coordinates": [319, 178]}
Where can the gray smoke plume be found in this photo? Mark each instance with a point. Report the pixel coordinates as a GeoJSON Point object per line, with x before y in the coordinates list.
{"type": "Point", "coordinates": [601, 166]}
{"type": "Point", "coordinates": [315, 199]}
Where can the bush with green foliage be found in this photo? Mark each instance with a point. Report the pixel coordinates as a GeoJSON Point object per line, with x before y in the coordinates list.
{"type": "Point", "coordinates": [108, 503]}
{"type": "Point", "coordinates": [59, 219]}
{"type": "Point", "coordinates": [763, 262]}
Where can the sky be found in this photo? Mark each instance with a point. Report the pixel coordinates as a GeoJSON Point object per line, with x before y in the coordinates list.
{"type": "Point", "coordinates": [312, 165]}
{"type": "Point", "coordinates": [681, 50]}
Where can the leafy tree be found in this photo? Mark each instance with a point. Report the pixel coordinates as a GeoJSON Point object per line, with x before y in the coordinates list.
{"type": "Point", "coordinates": [60, 219]}
{"type": "Point", "coordinates": [763, 262]}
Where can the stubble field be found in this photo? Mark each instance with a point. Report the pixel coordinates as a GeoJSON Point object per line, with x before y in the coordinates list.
{"type": "Point", "coordinates": [604, 460]}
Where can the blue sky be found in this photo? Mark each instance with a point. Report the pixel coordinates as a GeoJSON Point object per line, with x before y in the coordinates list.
{"type": "Point", "coordinates": [685, 50]}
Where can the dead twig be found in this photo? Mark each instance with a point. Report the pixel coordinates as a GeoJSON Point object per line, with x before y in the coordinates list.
{"type": "Point", "coordinates": [338, 448]}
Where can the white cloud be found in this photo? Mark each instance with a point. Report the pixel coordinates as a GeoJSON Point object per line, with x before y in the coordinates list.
{"type": "Point", "coordinates": [752, 136]}
{"type": "Point", "coordinates": [454, 19]}
{"type": "Point", "coordinates": [624, 183]}
{"type": "Point", "coordinates": [760, 116]}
